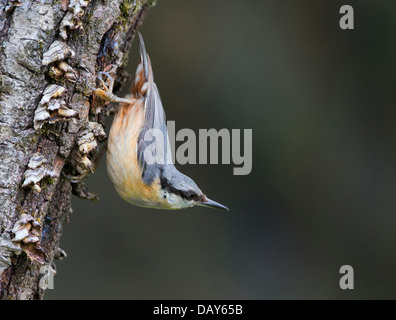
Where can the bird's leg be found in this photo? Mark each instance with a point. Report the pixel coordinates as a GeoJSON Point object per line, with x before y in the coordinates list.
{"type": "Point", "coordinates": [107, 92]}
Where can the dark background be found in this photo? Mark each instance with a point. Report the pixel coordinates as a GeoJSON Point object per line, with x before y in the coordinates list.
{"type": "Point", "coordinates": [321, 194]}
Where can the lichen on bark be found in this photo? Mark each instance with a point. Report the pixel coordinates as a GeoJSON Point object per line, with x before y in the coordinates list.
{"type": "Point", "coordinates": [50, 52]}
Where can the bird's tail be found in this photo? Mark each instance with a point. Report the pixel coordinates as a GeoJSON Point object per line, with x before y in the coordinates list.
{"type": "Point", "coordinates": [144, 73]}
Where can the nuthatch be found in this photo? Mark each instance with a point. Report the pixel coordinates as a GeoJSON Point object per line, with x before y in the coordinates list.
{"type": "Point", "coordinates": [137, 136]}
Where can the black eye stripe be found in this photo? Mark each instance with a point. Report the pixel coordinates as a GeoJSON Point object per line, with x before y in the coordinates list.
{"type": "Point", "coordinates": [187, 195]}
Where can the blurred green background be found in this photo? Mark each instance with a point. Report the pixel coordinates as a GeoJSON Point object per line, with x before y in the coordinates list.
{"type": "Point", "coordinates": [321, 194]}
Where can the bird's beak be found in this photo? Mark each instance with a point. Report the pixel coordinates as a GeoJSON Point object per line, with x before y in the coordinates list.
{"type": "Point", "coordinates": [213, 204]}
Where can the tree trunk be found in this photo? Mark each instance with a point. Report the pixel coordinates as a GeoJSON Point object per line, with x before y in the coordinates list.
{"type": "Point", "coordinates": [50, 124]}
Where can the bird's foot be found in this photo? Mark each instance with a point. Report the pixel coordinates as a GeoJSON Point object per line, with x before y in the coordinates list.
{"type": "Point", "coordinates": [107, 92]}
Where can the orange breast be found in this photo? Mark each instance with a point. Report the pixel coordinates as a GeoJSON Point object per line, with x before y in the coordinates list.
{"type": "Point", "coordinates": [122, 164]}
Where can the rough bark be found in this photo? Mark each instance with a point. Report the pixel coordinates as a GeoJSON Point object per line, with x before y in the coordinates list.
{"type": "Point", "coordinates": [48, 132]}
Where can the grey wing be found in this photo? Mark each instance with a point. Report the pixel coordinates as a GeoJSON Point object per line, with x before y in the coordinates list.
{"type": "Point", "coordinates": [153, 147]}
{"type": "Point", "coordinates": [154, 150]}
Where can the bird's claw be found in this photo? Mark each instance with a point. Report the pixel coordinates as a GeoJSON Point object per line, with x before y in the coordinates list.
{"type": "Point", "coordinates": [107, 92]}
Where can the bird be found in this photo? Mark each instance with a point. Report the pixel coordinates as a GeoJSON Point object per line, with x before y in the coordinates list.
{"type": "Point", "coordinates": [139, 161]}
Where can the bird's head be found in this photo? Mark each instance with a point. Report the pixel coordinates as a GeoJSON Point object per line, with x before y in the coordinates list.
{"type": "Point", "coordinates": [181, 192]}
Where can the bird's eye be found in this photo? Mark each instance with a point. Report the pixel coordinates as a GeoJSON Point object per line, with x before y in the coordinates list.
{"type": "Point", "coordinates": [191, 196]}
